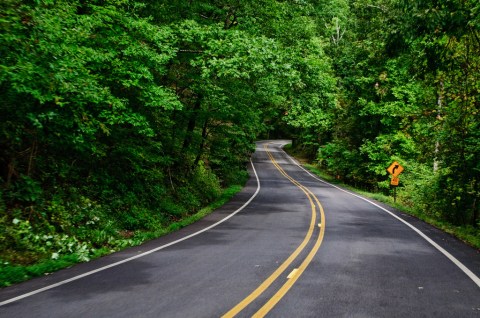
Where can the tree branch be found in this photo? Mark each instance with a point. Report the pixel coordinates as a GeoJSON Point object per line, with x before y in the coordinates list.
{"type": "Point", "coordinates": [190, 51]}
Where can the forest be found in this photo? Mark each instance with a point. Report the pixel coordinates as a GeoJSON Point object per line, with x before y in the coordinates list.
{"type": "Point", "coordinates": [121, 118]}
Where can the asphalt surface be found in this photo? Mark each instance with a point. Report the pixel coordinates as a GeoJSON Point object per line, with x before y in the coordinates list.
{"type": "Point", "coordinates": [369, 263]}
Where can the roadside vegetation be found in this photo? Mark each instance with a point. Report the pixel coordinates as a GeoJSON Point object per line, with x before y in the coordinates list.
{"type": "Point", "coordinates": [467, 233]}
{"type": "Point", "coordinates": [72, 251]}
{"type": "Point", "coordinates": [120, 118]}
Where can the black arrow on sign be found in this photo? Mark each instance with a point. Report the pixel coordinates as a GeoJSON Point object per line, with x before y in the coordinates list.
{"type": "Point", "coordinates": [395, 168]}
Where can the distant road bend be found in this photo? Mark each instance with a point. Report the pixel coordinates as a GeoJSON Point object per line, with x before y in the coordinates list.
{"type": "Point", "coordinates": [288, 245]}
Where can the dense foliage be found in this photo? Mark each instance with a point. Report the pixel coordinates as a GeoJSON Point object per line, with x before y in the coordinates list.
{"type": "Point", "coordinates": [119, 116]}
{"type": "Point", "coordinates": [409, 91]}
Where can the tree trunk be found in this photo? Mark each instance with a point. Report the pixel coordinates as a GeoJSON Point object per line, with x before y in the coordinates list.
{"type": "Point", "coordinates": [439, 115]}
{"type": "Point", "coordinates": [202, 143]}
{"type": "Point", "coordinates": [191, 125]}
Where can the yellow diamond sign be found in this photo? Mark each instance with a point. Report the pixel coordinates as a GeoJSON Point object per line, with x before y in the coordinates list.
{"type": "Point", "coordinates": [395, 169]}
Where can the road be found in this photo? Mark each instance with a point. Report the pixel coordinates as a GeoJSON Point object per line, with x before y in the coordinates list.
{"type": "Point", "coordinates": [288, 245]}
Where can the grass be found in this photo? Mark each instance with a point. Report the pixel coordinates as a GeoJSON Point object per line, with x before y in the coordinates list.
{"type": "Point", "coordinates": [226, 195]}
{"type": "Point", "coordinates": [11, 274]}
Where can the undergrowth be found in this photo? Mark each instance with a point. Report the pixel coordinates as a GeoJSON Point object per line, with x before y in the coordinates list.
{"type": "Point", "coordinates": [29, 251]}
{"type": "Point", "coordinates": [466, 233]}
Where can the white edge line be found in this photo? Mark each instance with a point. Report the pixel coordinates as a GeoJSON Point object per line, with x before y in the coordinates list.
{"type": "Point", "coordinates": [11, 300]}
{"type": "Point", "coordinates": [459, 264]}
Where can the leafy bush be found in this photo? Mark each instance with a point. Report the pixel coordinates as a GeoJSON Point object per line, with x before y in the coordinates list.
{"type": "Point", "coordinates": [24, 239]}
{"type": "Point", "coordinates": [25, 190]}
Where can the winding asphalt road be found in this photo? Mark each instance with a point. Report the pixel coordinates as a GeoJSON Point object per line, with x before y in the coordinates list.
{"type": "Point", "coordinates": [288, 245]}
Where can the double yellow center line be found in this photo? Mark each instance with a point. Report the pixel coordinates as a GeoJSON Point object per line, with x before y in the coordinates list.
{"type": "Point", "coordinates": [314, 203]}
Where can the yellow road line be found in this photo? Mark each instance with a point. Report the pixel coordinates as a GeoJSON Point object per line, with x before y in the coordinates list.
{"type": "Point", "coordinates": [286, 287]}
{"type": "Point", "coordinates": [260, 289]}
{"type": "Point", "coordinates": [293, 273]}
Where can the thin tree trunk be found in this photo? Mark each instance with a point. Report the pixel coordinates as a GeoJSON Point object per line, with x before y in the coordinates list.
{"type": "Point", "coordinates": [439, 114]}
{"type": "Point", "coordinates": [202, 143]}
{"type": "Point", "coordinates": [191, 125]}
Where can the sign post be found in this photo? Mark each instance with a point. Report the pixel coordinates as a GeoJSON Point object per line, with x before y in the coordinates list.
{"type": "Point", "coordinates": [395, 169]}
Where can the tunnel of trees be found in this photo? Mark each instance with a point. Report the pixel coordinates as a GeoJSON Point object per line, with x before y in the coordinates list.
{"type": "Point", "coordinates": [120, 116]}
